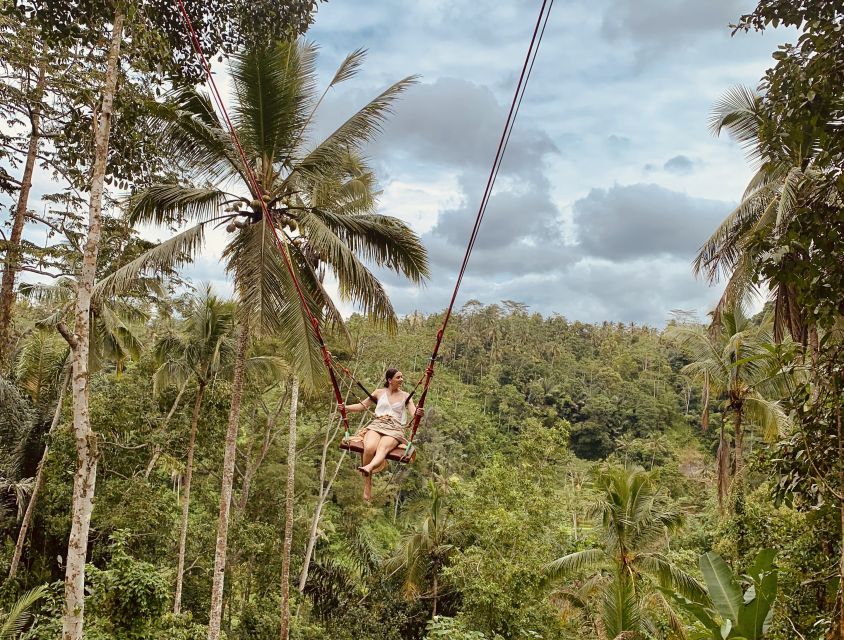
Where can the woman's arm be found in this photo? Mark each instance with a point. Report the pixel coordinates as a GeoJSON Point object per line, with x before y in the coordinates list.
{"type": "Point", "coordinates": [365, 404]}
{"type": "Point", "coordinates": [411, 407]}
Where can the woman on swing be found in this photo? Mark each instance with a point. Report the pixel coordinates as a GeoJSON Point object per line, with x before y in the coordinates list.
{"type": "Point", "coordinates": [386, 431]}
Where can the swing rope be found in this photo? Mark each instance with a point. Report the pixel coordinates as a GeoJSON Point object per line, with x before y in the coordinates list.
{"type": "Point", "coordinates": [255, 185]}
{"type": "Point", "coordinates": [527, 69]}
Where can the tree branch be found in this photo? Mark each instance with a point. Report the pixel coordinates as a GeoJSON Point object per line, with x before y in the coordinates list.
{"type": "Point", "coordinates": [61, 327]}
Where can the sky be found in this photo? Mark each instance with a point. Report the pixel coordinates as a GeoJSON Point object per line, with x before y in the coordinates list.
{"type": "Point", "coordinates": [612, 179]}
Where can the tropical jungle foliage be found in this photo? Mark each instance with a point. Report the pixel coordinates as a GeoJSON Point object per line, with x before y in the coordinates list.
{"type": "Point", "coordinates": [169, 459]}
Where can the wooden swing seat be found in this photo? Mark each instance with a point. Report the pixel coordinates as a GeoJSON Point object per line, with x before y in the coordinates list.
{"type": "Point", "coordinates": [355, 445]}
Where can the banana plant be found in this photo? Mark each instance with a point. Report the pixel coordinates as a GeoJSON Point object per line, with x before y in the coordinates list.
{"type": "Point", "coordinates": [727, 612]}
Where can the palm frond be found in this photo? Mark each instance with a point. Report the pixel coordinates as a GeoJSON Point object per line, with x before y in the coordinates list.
{"type": "Point", "coordinates": [39, 365]}
{"type": "Point", "coordinates": [192, 132]}
{"type": "Point", "coordinates": [769, 415]}
{"type": "Point", "coordinates": [719, 254]}
{"type": "Point", "coordinates": [738, 112]}
{"type": "Point", "coordinates": [174, 252]}
{"type": "Point", "coordinates": [275, 89]}
{"type": "Point", "coordinates": [572, 563]}
{"type": "Point", "coordinates": [383, 240]}
{"type": "Point", "coordinates": [359, 129]}
{"type": "Point", "coordinates": [13, 621]}
{"type": "Point", "coordinates": [669, 576]}
{"type": "Point", "coordinates": [356, 282]}
{"type": "Point", "coordinates": [349, 67]}
{"type": "Point", "coordinates": [166, 203]}
{"type": "Point", "coordinates": [267, 292]}
{"type": "Point", "coordinates": [620, 609]}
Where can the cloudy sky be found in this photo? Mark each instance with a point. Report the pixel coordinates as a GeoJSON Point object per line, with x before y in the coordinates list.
{"type": "Point", "coordinates": [611, 180]}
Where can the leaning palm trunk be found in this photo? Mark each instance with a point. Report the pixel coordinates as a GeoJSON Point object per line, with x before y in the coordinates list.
{"type": "Point", "coordinates": [183, 530]}
{"type": "Point", "coordinates": [7, 290]}
{"type": "Point", "coordinates": [39, 482]}
{"type": "Point", "coordinates": [288, 513]}
{"type": "Point", "coordinates": [216, 613]}
{"type": "Point", "coordinates": [27, 516]}
{"type": "Point", "coordinates": [86, 440]}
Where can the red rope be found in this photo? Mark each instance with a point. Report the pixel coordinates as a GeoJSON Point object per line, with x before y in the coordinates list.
{"type": "Point", "coordinates": [255, 185]}
{"type": "Point", "coordinates": [502, 145]}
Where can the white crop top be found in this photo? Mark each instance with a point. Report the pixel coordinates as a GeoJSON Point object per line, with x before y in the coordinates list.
{"type": "Point", "coordinates": [384, 408]}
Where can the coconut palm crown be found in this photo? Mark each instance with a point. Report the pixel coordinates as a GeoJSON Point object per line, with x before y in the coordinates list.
{"type": "Point", "coordinates": [772, 199]}
{"type": "Point", "coordinates": [321, 197]}
{"type": "Point", "coordinates": [629, 570]}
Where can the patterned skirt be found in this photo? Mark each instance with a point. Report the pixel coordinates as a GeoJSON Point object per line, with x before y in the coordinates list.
{"type": "Point", "coordinates": [386, 426]}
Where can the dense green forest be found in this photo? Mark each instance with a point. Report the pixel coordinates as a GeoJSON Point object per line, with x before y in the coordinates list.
{"type": "Point", "coordinates": [170, 459]}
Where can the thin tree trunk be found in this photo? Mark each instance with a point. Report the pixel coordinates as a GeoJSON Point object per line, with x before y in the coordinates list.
{"type": "Point", "coordinates": [7, 289]}
{"type": "Point", "coordinates": [183, 530]}
{"type": "Point", "coordinates": [739, 443]}
{"type": "Point", "coordinates": [288, 513]}
{"type": "Point", "coordinates": [39, 482]}
{"type": "Point", "coordinates": [252, 466]}
{"type": "Point", "coordinates": [325, 489]}
{"type": "Point", "coordinates": [227, 483]}
{"type": "Point", "coordinates": [723, 472]}
{"type": "Point", "coordinates": [156, 452]}
{"type": "Point", "coordinates": [86, 440]}
{"type": "Point", "coordinates": [434, 607]}
{"type": "Point", "coordinates": [839, 605]}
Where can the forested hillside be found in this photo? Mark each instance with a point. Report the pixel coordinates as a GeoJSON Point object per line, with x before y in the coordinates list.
{"type": "Point", "coordinates": [513, 390]}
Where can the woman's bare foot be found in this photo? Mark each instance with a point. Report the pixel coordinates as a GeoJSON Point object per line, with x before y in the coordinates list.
{"type": "Point", "coordinates": [364, 471]}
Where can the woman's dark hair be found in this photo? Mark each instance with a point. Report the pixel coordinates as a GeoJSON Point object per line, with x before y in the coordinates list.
{"type": "Point", "coordinates": [388, 375]}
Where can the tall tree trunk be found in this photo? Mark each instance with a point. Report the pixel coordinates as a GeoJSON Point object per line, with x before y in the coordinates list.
{"type": "Point", "coordinates": [723, 472]}
{"type": "Point", "coordinates": [216, 612]}
{"type": "Point", "coordinates": [86, 440]}
{"type": "Point", "coordinates": [288, 513]}
{"type": "Point", "coordinates": [434, 589]}
{"type": "Point", "coordinates": [10, 269]}
{"type": "Point", "coordinates": [739, 442]}
{"type": "Point", "coordinates": [837, 630]}
{"type": "Point", "coordinates": [183, 530]}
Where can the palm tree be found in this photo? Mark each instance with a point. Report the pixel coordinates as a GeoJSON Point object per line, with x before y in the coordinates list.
{"type": "Point", "coordinates": [114, 318]}
{"type": "Point", "coordinates": [320, 198]}
{"type": "Point", "coordinates": [769, 203]}
{"type": "Point", "coordinates": [634, 516]}
{"type": "Point", "coordinates": [731, 362]}
{"type": "Point", "coordinates": [199, 351]}
{"type": "Point", "coordinates": [423, 553]}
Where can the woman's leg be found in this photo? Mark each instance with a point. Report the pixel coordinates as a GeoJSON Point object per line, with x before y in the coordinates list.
{"type": "Point", "coordinates": [370, 446]}
{"type": "Point", "coordinates": [385, 445]}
